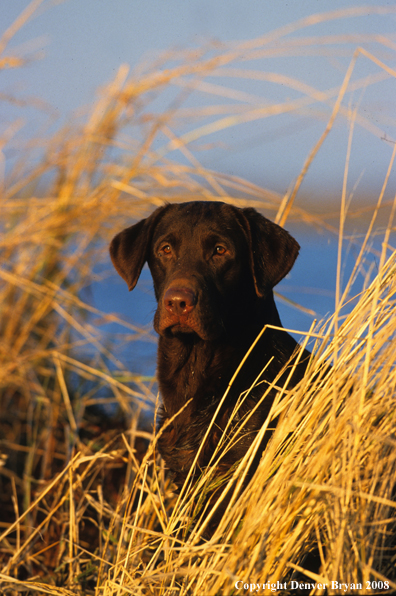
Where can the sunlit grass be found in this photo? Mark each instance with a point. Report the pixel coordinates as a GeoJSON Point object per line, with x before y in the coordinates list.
{"type": "Point", "coordinates": [86, 505]}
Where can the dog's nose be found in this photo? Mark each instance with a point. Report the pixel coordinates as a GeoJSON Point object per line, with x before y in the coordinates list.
{"type": "Point", "coordinates": [179, 301]}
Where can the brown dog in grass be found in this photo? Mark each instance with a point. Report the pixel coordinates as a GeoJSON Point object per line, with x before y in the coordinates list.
{"type": "Point", "coordinates": [214, 267]}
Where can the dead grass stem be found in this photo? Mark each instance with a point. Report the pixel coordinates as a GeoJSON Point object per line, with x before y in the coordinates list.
{"type": "Point", "coordinates": [86, 505]}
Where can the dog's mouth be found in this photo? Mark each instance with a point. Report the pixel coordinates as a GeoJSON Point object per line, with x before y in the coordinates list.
{"type": "Point", "coordinates": [180, 328]}
{"type": "Point", "coordinates": [185, 332]}
{"type": "Point", "coordinates": [188, 332]}
{"type": "Point", "coordinates": [186, 327]}
{"type": "Point", "coordinates": [171, 326]}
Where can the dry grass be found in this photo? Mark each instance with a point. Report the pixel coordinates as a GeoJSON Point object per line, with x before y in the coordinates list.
{"type": "Point", "coordinates": [86, 507]}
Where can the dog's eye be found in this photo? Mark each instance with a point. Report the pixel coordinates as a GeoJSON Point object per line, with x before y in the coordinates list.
{"type": "Point", "coordinates": [166, 249]}
{"type": "Point", "coordinates": [220, 250]}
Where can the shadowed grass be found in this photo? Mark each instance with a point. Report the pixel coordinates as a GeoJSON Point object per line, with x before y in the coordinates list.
{"type": "Point", "coordinates": [86, 505]}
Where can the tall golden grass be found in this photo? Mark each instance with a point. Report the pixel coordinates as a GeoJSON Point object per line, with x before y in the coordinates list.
{"type": "Point", "coordinates": [86, 505]}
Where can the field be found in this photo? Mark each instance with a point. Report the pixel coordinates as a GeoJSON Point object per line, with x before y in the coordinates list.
{"type": "Point", "coordinates": [86, 506]}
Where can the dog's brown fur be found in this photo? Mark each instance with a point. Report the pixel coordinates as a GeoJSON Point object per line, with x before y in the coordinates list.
{"type": "Point", "coordinates": [213, 267]}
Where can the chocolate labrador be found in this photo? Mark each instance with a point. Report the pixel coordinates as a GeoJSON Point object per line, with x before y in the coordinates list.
{"type": "Point", "coordinates": [214, 267]}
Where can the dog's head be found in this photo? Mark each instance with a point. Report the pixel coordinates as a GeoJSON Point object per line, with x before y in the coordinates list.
{"type": "Point", "coordinates": [209, 261]}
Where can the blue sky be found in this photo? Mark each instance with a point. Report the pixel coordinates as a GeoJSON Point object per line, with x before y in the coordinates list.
{"type": "Point", "coordinates": [85, 41]}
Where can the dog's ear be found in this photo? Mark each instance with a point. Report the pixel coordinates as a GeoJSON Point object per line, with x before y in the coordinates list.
{"type": "Point", "coordinates": [272, 250]}
{"type": "Point", "coordinates": [128, 250]}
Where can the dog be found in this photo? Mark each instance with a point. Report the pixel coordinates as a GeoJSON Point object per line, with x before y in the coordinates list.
{"type": "Point", "coordinates": [214, 267]}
